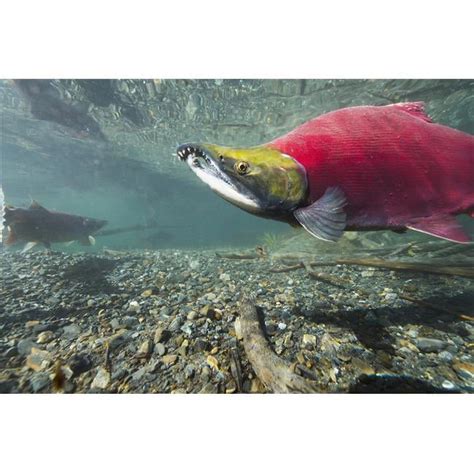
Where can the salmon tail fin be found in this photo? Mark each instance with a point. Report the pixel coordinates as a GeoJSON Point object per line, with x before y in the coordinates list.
{"type": "Point", "coordinates": [444, 226]}
{"type": "Point", "coordinates": [417, 109]}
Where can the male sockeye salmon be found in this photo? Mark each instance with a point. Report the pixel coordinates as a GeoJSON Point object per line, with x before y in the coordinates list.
{"type": "Point", "coordinates": [357, 168]}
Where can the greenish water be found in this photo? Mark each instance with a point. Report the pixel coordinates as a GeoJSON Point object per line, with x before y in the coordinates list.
{"type": "Point", "coordinates": [106, 149]}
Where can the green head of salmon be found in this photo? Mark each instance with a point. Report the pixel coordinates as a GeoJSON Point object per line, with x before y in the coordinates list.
{"type": "Point", "coordinates": [260, 180]}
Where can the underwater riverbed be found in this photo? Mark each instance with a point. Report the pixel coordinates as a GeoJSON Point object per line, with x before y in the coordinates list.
{"type": "Point", "coordinates": [168, 321]}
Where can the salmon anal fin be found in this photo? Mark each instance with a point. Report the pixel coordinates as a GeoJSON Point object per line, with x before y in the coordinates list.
{"type": "Point", "coordinates": [84, 241]}
{"type": "Point", "coordinates": [11, 238]}
{"type": "Point", "coordinates": [444, 227]}
{"type": "Point", "coordinates": [417, 109]}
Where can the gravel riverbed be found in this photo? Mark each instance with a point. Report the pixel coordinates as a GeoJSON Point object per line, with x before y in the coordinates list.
{"type": "Point", "coordinates": [164, 322]}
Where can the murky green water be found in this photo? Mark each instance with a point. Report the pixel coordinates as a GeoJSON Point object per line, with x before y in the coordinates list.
{"type": "Point", "coordinates": [106, 149]}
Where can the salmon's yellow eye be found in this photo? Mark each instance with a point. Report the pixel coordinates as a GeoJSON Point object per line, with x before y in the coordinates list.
{"type": "Point", "coordinates": [242, 167]}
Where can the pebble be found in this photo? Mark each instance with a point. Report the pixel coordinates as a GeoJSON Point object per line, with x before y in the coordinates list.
{"type": "Point", "coordinates": [309, 340]}
{"type": "Point", "coordinates": [137, 375]}
{"type": "Point", "coordinates": [39, 381]}
{"type": "Point", "coordinates": [445, 356]}
{"type": "Point", "coordinates": [158, 336]}
{"type": "Point", "coordinates": [129, 322]}
{"type": "Point", "coordinates": [31, 324]}
{"type": "Point", "coordinates": [282, 326]}
{"type": "Point", "coordinates": [212, 362]}
{"type": "Point", "coordinates": [169, 359]}
{"type": "Point", "coordinates": [101, 380]}
{"type": "Point", "coordinates": [238, 329]}
{"type": "Point", "coordinates": [362, 367]}
{"type": "Point", "coordinates": [134, 307]}
{"type": "Point", "coordinates": [160, 349]}
{"type": "Point", "coordinates": [79, 363]}
{"type": "Point", "coordinates": [224, 277]}
{"type": "Point", "coordinates": [187, 328]}
{"type": "Point", "coordinates": [205, 374]}
{"type": "Point", "coordinates": [464, 369]}
{"type": "Point", "coordinates": [38, 359]}
{"type": "Point", "coordinates": [24, 346]}
{"type": "Point", "coordinates": [448, 385]}
{"type": "Point", "coordinates": [114, 323]}
{"type": "Point", "coordinates": [45, 337]}
{"type": "Point", "coordinates": [191, 315]}
{"type": "Point", "coordinates": [71, 331]}
{"type": "Point", "coordinates": [189, 371]}
{"type": "Point", "coordinates": [119, 338]}
{"type": "Point", "coordinates": [209, 388]}
{"type": "Point", "coordinates": [175, 324]}
{"type": "Point", "coordinates": [201, 345]}
{"type": "Point", "coordinates": [145, 348]}
{"type": "Point", "coordinates": [287, 342]}
{"type": "Point", "coordinates": [430, 345]}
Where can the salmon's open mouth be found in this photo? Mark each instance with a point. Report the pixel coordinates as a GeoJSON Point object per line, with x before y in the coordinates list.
{"type": "Point", "coordinates": [208, 169]}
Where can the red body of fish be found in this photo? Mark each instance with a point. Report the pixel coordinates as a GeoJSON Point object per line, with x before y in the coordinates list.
{"type": "Point", "coordinates": [396, 168]}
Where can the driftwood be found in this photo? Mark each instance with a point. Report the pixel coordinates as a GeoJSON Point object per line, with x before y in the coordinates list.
{"type": "Point", "coordinates": [325, 278]}
{"type": "Point", "coordinates": [408, 266]}
{"type": "Point", "coordinates": [441, 268]}
{"type": "Point", "coordinates": [275, 373]}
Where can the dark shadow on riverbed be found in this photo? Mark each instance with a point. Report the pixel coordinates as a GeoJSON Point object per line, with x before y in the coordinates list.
{"type": "Point", "coordinates": [369, 326]}
{"type": "Point", "coordinates": [91, 274]}
{"type": "Point", "coordinates": [394, 384]}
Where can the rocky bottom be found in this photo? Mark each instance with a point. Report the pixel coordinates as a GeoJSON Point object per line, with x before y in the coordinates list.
{"type": "Point", "coordinates": [165, 322]}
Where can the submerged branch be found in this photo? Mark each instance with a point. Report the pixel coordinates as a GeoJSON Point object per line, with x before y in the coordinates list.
{"type": "Point", "coordinates": [275, 373]}
{"type": "Point", "coordinates": [463, 269]}
{"type": "Point", "coordinates": [437, 269]}
{"type": "Point", "coordinates": [238, 256]}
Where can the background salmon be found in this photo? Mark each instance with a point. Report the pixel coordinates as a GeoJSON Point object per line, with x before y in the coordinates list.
{"type": "Point", "coordinates": [37, 224]}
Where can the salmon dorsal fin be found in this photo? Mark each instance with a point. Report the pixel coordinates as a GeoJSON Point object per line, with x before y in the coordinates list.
{"type": "Point", "coordinates": [444, 227]}
{"type": "Point", "coordinates": [35, 205]}
{"type": "Point", "coordinates": [417, 109]}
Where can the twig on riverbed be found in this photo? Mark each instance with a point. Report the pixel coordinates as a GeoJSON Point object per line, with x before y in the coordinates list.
{"type": "Point", "coordinates": [437, 269]}
{"type": "Point", "coordinates": [238, 256]}
{"type": "Point", "coordinates": [324, 277]}
{"type": "Point", "coordinates": [275, 373]}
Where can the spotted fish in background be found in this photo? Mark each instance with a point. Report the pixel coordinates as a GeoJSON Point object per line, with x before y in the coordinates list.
{"type": "Point", "coordinates": [37, 224]}
{"type": "Point", "coordinates": [358, 168]}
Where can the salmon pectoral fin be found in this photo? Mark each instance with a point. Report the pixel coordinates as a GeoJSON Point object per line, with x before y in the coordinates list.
{"type": "Point", "coordinates": [325, 218]}
{"type": "Point", "coordinates": [28, 246]}
{"type": "Point", "coordinates": [444, 227]}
